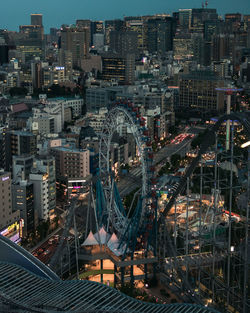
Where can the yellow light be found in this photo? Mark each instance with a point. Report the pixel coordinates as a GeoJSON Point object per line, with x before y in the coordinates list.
{"type": "Point", "coordinates": [246, 144]}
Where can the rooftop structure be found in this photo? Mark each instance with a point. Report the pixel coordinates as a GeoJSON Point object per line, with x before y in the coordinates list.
{"type": "Point", "coordinates": [38, 289]}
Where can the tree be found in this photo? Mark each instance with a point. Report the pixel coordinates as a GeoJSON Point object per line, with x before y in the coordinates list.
{"type": "Point", "coordinates": [43, 229]}
{"type": "Point", "coordinates": [175, 160]}
{"type": "Point", "coordinates": [154, 146]}
{"type": "Point", "coordinates": [196, 142]}
{"type": "Point", "coordinates": [18, 91]}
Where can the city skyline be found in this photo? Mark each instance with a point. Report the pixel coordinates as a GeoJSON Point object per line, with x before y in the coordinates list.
{"type": "Point", "coordinates": [12, 18]}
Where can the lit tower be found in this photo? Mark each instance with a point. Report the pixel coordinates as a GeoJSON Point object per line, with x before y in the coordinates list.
{"type": "Point", "coordinates": [228, 92]}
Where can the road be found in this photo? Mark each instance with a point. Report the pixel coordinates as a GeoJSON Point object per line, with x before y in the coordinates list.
{"type": "Point", "coordinates": [133, 180]}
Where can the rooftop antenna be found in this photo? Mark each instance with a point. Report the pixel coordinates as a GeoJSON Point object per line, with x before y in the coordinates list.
{"type": "Point", "coordinates": [206, 4]}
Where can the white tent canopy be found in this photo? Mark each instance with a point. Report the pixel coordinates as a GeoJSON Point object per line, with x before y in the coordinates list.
{"type": "Point", "coordinates": [90, 240]}
{"type": "Point", "coordinates": [102, 236]}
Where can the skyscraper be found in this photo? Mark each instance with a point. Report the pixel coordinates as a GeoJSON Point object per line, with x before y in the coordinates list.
{"type": "Point", "coordinates": [199, 16]}
{"type": "Point", "coordinates": [123, 42]}
{"type": "Point", "coordinates": [36, 19]}
{"type": "Point", "coordinates": [185, 17]}
{"type": "Point", "coordinates": [75, 40]}
{"type": "Point", "coordinates": [160, 34]}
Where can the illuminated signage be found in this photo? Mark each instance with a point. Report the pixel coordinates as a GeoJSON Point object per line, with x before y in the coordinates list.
{"type": "Point", "coordinates": [12, 232]}
{"type": "Point", "coordinates": [5, 178]}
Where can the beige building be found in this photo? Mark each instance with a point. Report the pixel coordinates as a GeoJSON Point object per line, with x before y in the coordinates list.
{"type": "Point", "coordinates": [7, 217]}
{"type": "Point", "coordinates": [71, 163]}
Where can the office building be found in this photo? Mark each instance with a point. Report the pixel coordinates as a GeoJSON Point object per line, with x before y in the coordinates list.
{"type": "Point", "coordinates": [233, 20]}
{"type": "Point", "coordinates": [36, 19]}
{"type": "Point", "coordinates": [160, 33]}
{"type": "Point", "coordinates": [185, 18]}
{"type": "Point", "coordinates": [9, 220]}
{"type": "Point", "coordinates": [75, 43]}
{"type": "Point", "coordinates": [37, 74]}
{"type": "Point", "coordinates": [198, 92]}
{"type": "Point", "coordinates": [23, 201]}
{"type": "Point", "coordinates": [96, 27]}
{"type": "Point", "coordinates": [98, 41]}
{"type": "Point", "coordinates": [183, 46]}
{"type": "Point", "coordinates": [111, 25]}
{"type": "Point", "coordinates": [41, 195]}
{"type": "Point", "coordinates": [22, 165]}
{"type": "Point", "coordinates": [118, 68]}
{"type": "Point", "coordinates": [124, 42]}
{"type": "Point", "coordinates": [46, 165]}
{"type": "Point", "coordinates": [71, 163]}
{"type": "Point", "coordinates": [139, 27]}
{"type": "Point", "coordinates": [199, 16]}
{"type": "Point", "coordinates": [222, 46]}
{"type": "Point", "coordinates": [3, 148]}
{"type": "Point", "coordinates": [18, 143]}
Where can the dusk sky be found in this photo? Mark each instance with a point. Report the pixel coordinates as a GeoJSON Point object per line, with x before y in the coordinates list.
{"type": "Point", "coordinates": [56, 12]}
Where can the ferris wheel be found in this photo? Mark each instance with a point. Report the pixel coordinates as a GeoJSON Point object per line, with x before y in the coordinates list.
{"type": "Point", "coordinates": [125, 116]}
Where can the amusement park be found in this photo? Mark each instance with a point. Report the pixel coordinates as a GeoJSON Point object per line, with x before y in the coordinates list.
{"type": "Point", "coordinates": [177, 238]}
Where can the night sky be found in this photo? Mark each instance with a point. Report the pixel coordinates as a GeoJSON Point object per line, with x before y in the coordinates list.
{"type": "Point", "coordinates": [56, 12]}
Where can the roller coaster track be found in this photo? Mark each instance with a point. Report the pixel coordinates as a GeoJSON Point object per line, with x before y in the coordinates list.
{"type": "Point", "coordinates": [243, 118]}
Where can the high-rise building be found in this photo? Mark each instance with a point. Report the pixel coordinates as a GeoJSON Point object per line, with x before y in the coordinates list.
{"type": "Point", "coordinates": [160, 33]}
{"type": "Point", "coordinates": [182, 46]}
{"type": "Point", "coordinates": [198, 92]}
{"type": "Point", "coordinates": [75, 41]}
{"type": "Point", "coordinates": [18, 143]}
{"type": "Point", "coordinates": [85, 25]}
{"type": "Point", "coordinates": [110, 25]}
{"type": "Point", "coordinates": [98, 41]}
{"type": "Point", "coordinates": [234, 21]}
{"type": "Point", "coordinates": [36, 19]}
{"type": "Point", "coordinates": [198, 47]}
{"type": "Point", "coordinates": [138, 26]}
{"type": "Point", "coordinates": [199, 16]}
{"type": "Point", "coordinates": [23, 201]}
{"type": "Point", "coordinates": [210, 28]}
{"type": "Point", "coordinates": [41, 195]}
{"type": "Point", "coordinates": [124, 42]}
{"type": "Point", "coordinates": [119, 68]}
{"type": "Point", "coordinates": [222, 46]}
{"type": "Point", "coordinates": [9, 220]}
{"type": "Point", "coordinates": [96, 27]}
{"type": "Point", "coordinates": [185, 18]}
{"type": "Point", "coordinates": [37, 74]}
{"type": "Point", "coordinates": [3, 148]}
{"type": "Point", "coordinates": [46, 165]}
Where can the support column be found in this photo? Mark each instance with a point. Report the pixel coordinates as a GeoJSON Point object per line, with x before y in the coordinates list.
{"type": "Point", "coordinates": [230, 218]}
{"type": "Point", "coordinates": [247, 244]}
{"type": "Point", "coordinates": [228, 121]}
{"type": "Point", "coordinates": [115, 278]}
{"type": "Point", "coordinates": [132, 272]}
{"type": "Point", "coordinates": [122, 275]}
{"type": "Point", "coordinates": [101, 268]}
{"type": "Point", "coordinates": [186, 235]}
